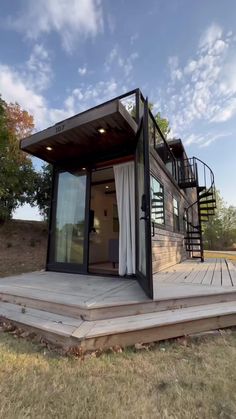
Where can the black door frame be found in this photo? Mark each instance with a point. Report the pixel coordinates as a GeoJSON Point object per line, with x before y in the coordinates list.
{"type": "Point", "coordinates": [67, 267]}
{"type": "Point", "coordinates": [146, 281]}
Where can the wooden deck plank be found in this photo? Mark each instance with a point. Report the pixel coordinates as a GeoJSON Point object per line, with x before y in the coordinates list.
{"type": "Point", "coordinates": [168, 276]}
{"type": "Point", "coordinates": [217, 276]}
{"type": "Point", "coordinates": [184, 275]}
{"type": "Point", "coordinates": [226, 279]}
{"type": "Point", "coordinates": [207, 280]}
{"type": "Point", "coordinates": [193, 274]}
{"type": "Point", "coordinates": [203, 268]}
{"type": "Point", "coordinates": [232, 272]}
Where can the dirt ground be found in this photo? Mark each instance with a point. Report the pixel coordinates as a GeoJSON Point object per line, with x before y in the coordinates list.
{"type": "Point", "coordinates": [23, 246]}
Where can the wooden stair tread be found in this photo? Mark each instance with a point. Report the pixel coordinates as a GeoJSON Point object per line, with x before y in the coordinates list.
{"type": "Point", "coordinates": [122, 330]}
{"type": "Point", "coordinates": [158, 319]}
{"type": "Point", "coordinates": [43, 320]}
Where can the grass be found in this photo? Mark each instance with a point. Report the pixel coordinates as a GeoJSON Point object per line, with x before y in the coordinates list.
{"type": "Point", "coordinates": [225, 255]}
{"type": "Point", "coordinates": [172, 380]}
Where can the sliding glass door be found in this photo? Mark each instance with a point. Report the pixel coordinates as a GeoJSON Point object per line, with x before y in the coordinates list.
{"type": "Point", "coordinates": [69, 224]}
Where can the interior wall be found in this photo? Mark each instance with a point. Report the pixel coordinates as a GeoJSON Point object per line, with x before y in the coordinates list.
{"type": "Point", "coordinates": [102, 204]}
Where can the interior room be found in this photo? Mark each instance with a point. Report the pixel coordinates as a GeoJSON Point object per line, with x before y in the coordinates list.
{"type": "Point", "coordinates": [104, 223]}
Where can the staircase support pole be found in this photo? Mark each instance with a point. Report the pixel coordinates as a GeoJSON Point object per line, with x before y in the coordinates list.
{"type": "Point", "coordinates": [199, 214]}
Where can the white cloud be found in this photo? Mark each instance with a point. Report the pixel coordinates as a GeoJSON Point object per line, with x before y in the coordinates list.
{"type": "Point", "coordinates": [38, 68]}
{"type": "Point", "coordinates": [70, 20]}
{"type": "Point", "coordinates": [210, 36]}
{"type": "Point", "coordinates": [116, 60]}
{"type": "Point", "coordinates": [204, 140]}
{"type": "Point", "coordinates": [202, 90]}
{"type": "Point", "coordinates": [190, 67]}
{"type": "Point", "coordinates": [175, 72]}
{"type": "Point", "coordinates": [227, 112]}
{"type": "Point", "coordinates": [82, 70]}
{"type": "Point", "coordinates": [15, 87]}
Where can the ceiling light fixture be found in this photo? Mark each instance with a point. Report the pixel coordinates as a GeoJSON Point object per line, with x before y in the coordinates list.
{"type": "Point", "coordinates": [107, 187]}
{"type": "Point", "coordinates": [83, 168]}
{"type": "Point", "coordinates": [101, 130]}
{"type": "Point", "coordinates": [49, 148]}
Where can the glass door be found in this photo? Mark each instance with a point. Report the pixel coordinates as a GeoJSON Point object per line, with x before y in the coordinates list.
{"type": "Point", "coordinates": [69, 225]}
{"type": "Point", "coordinates": [143, 212]}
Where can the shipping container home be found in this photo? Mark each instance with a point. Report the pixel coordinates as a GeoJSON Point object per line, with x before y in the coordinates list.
{"type": "Point", "coordinates": [126, 202]}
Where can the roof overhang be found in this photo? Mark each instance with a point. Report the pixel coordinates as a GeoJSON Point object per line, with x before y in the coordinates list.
{"type": "Point", "coordinates": [79, 138]}
{"type": "Point", "coordinates": [177, 147]}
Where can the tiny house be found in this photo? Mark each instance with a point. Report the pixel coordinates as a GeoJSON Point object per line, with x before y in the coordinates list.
{"type": "Point", "coordinates": [125, 201]}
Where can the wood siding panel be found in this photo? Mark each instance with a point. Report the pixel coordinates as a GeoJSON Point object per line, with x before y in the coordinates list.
{"type": "Point", "coordinates": [168, 246]}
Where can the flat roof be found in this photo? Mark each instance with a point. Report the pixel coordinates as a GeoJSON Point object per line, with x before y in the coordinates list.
{"type": "Point", "coordinates": [78, 137]}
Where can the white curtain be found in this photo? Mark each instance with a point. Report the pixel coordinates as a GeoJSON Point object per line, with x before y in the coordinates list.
{"type": "Point", "coordinates": [125, 194]}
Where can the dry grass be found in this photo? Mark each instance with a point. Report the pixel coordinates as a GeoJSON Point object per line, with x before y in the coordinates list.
{"type": "Point", "coordinates": [224, 255]}
{"type": "Point", "coordinates": [23, 246]}
{"type": "Point", "coordinates": [169, 381]}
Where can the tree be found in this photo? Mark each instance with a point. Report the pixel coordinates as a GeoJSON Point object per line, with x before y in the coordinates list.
{"type": "Point", "coordinates": [220, 231]}
{"type": "Point", "coordinates": [43, 190]}
{"type": "Point", "coordinates": [17, 176]}
{"type": "Point", "coordinates": [19, 122]}
{"type": "Point", "coordinates": [163, 124]}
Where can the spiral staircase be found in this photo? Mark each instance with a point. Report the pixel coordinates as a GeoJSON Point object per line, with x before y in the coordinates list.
{"type": "Point", "coordinates": [195, 173]}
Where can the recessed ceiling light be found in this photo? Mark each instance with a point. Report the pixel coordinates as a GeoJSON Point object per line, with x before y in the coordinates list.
{"type": "Point", "coordinates": [101, 130]}
{"type": "Point", "coordinates": [49, 148]}
{"type": "Point", "coordinates": [107, 187]}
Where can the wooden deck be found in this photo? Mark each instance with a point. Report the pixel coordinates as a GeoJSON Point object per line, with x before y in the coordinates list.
{"type": "Point", "coordinates": [213, 272]}
{"type": "Point", "coordinates": [94, 311]}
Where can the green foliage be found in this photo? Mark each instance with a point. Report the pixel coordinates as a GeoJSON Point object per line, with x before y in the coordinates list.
{"type": "Point", "coordinates": [220, 231]}
{"type": "Point", "coordinates": [17, 175]}
{"type": "Point", "coordinates": [43, 190]}
{"type": "Point", "coordinates": [163, 123]}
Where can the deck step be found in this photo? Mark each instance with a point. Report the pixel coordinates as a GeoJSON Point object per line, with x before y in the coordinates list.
{"type": "Point", "coordinates": [124, 331]}
{"type": "Point", "coordinates": [107, 311]}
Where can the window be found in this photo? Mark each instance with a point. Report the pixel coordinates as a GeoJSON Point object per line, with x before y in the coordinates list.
{"type": "Point", "coordinates": [157, 201]}
{"type": "Point", "coordinates": [176, 214]}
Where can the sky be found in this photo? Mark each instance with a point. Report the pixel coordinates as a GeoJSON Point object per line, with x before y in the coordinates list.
{"type": "Point", "coordinates": [59, 57]}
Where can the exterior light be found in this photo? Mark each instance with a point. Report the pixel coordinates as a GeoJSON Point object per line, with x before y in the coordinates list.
{"type": "Point", "coordinates": [49, 148]}
{"type": "Point", "coordinates": [83, 168]}
{"type": "Point", "coordinates": [101, 130]}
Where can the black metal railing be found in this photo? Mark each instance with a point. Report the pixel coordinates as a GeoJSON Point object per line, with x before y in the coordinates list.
{"type": "Point", "coordinates": [187, 172]}
{"type": "Point", "coordinates": [201, 175]}
{"type": "Point", "coordinates": [160, 144]}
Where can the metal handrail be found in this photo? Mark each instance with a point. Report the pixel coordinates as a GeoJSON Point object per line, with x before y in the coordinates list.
{"type": "Point", "coordinates": [173, 158]}
{"type": "Point", "coordinates": [211, 187]}
{"type": "Point", "coordinates": [208, 190]}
